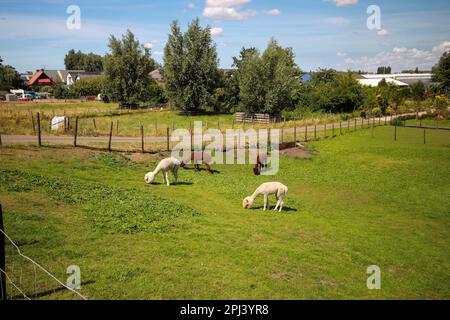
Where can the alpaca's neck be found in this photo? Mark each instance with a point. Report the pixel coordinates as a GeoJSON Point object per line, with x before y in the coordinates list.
{"type": "Point", "coordinates": [254, 195]}
{"type": "Point", "coordinates": [157, 170]}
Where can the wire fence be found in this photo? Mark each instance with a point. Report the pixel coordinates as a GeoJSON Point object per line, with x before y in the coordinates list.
{"type": "Point", "coordinates": [22, 278]}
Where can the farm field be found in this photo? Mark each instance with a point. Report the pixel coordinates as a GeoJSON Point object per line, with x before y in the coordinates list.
{"type": "Point", "coordinates": [95, 119]}
{"type": "Point", "coordinates": [360, 201]}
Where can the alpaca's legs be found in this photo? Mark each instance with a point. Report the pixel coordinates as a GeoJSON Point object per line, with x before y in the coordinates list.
{"type": "Point", "coordinates": [208, 168]}
{"type": "Point", "coordinates": [281, 205]}
{"type": "Point", "coordinates": [278, 202]}
{"type": "Point", "coordinates": [164, 178]}
{"type": "Point", "coordinates": [266, 201]}
{"type": "Point", "coordinates": [276, 207]}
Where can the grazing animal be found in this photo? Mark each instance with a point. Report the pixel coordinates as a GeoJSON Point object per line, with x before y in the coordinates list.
{"type": "Point", "coordinates": [266, 189]}
{"type": "Point", "coordinates": [261, 162]}
{"type": "Point", "coordinates": [196, 157]}
{"type": "Point", "coordinates": [166, 165]}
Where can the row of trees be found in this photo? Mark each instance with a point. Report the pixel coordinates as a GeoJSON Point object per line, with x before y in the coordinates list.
{"type": "Point", "coordinates": [77, 60]}
{"type": "Point", "coordinates": [9, 77]}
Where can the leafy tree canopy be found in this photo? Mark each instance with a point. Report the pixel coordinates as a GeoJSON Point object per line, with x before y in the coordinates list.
{"type": "Point", "coordinates": [127, 68]}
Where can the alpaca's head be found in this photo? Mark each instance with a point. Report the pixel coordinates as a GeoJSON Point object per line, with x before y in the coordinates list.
{"type": "Point", "coordinates": [149, 177]}
{"type": "Point", "coordinates": [247, 203]}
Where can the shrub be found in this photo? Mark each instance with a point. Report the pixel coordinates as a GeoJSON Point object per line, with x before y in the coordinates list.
{"type": "Point", "coordinates": [389, 111]}
{"type": "Point", "coordinates": [399, 122]}
{"type": "Point", "coordinates": [376, 112]}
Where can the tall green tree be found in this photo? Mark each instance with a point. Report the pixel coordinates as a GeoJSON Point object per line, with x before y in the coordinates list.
{"type": "Point", "coordinates": [127, 69]}
{"type": "Point", "coordinates": [418, 93]}
{"type": "Point", "coordinates": [77, 60]}
{"type": "Point", "coordinates": [9, 77]}
{"type": "Point", "coordinates": [441, 73]}
{"type": "Point", "coordinates": [191, 69]}
{"type": "Point", "coordinates": [267, 82]}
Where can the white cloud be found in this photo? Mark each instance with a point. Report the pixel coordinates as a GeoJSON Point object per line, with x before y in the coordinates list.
{"type": "Point", "coordinates": [225, 3]}
{"type": "Point", "coordinates": [227, 10]}
{"type": "Point", "coordinates": [400, 58]}
{"type": "Point", "coordinates": [158, 53]}
{"type": "Point", "coordinates": [191, 5]}
{"type": "Point", "coordinates": [443, 47]}
{"type": "Point", "coordinates": [149, 45]}
{"type": "Point", "coordinates": [384, 33]}
{"type": "Point", "coordinates": [215, 32]}
{"type": "Point", "coordinates": [341, 54]}
{"type": "Point", "coordinates": [344, 3]}
{"type": "Point", "coordinates": [399, 50]}
{"type": "Point", "coordinates": [274, 12]}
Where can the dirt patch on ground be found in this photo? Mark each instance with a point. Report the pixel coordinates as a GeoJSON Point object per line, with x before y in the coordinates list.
{"type": "Point", "coordinates": [297, 153]}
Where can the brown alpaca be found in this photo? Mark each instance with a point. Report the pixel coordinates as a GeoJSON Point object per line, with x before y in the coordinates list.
{"type": "Point", "coordinates": [261, 162]}
{"type": "Point", "coordinates": [195, 157]}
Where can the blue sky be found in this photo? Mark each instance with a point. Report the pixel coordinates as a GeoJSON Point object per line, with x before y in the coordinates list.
{"type": "Point", "coordinates": [323, 33]}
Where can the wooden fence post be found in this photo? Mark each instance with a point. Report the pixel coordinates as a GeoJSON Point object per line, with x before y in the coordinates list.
{"type": "Point", "coordinates": [424, 136]}
{"type": "Point", "coordinates": [340, 128]}
{"type": "Point", "coordinates": [168, 139]}
{"type": "Point", "coordinates": [355, 123]}
{"type": "Point", "coordinates": [110, 136]}
{"type": "Point", "coordinates": [39, 129]}
{"type": "Point", "coordinates": [142, 138]}
{"type": "Point", "coordinates": [117, 127]}
{"type": "Point", "coordinates": [75, 132]}
{"type": "Point", "coordinates": [295, 132]}
{"type": "Point", "coordinates": [315, 131]}
{"type": "Point", "coordinates": [306, 133]}
{"type": "Point", "coordinates": [282, 134]}
{"type": "Point", "coordinates": [395, 132]}
{"type": "Point", "coordinates": [332, 129]}
{"type": "Point", "coordinates": [2, 257]}
{"type": "Point", "coordinates": [325, 130]}
{"type": "Point", "coordinates": [32, 123]}
{"type": "Point", "coordinates": [95, 125]}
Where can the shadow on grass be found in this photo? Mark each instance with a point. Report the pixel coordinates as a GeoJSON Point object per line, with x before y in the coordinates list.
{"type": "Point", "coordinates": [172, 184]}
{"type": "Point", "coordinates": [202, 169]}
{"type": "Point", "coordinates": [285, 209]}
{"type": "Point", "coordinates": [50, 291]}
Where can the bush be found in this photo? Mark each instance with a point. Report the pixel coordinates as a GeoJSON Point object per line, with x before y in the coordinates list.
{"type": "Point", "coordinates": [399, 122]}
{"type": "Point", "coordinates": [389, 111]}
{"type": "Point", "coordinates": [376, 112]}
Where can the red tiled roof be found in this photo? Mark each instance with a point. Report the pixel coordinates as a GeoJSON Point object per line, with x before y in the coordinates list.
{"type": "Point", "coordinates": [36, 78]}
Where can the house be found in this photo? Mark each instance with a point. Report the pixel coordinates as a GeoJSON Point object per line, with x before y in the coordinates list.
{"type": "Point", "coordinates": [40, 78]}
{"type": "Point", "coordinates": [400, 79]}
{"type": "Point", "coordinates": [59, 77]}
{"type": "Point", "coordinates": [74, 76]}
{"type": "Point", "coordinates": [156, 75]}
{"type": "Point", "coordinates": [25, 78]}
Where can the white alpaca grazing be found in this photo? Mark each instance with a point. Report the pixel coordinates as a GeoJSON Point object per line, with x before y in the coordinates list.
{"type": "Point", "coordinates": [266, 189]}
{"type": "Point", "coordinates": [166, 165]}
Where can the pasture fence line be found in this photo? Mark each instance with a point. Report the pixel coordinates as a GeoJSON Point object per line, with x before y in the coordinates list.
{"type": "Point", "coordinates": [6, 276]}
{"type": "Point", "coordinates": [98, 137]}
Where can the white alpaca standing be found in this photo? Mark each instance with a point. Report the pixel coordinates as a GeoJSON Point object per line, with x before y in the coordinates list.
{"type": "Point", "coordinates": [266, 189]}
{"type": "Point", "coordinates": [166, 165]}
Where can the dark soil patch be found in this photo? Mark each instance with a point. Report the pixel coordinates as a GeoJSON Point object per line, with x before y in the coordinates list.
{"type": "Point", "coordinates": [297, 153]}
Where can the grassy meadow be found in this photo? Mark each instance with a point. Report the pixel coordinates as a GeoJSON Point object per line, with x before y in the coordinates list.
{"type": "Point", "coordinates": [360, 201]}
{"type": "Point", "coordinates": [95, 119]}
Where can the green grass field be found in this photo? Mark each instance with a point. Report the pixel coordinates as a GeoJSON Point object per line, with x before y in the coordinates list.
{"type": "Point", "coordinates": [17, 119]}
{"type": "Point", "coordinates": [360, 201]}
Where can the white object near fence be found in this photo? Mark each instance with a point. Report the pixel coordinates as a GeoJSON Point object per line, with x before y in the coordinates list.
{"type": "Point", "coordinates": [58, 123]}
